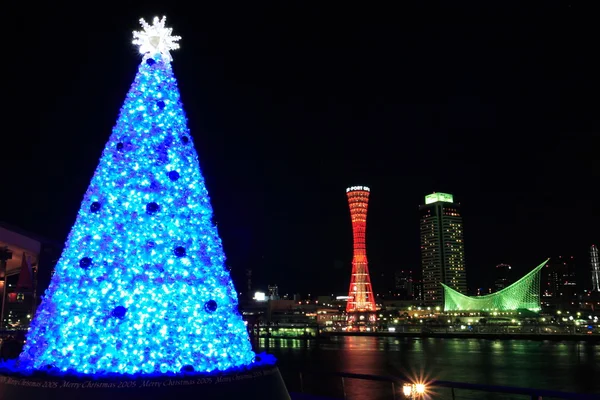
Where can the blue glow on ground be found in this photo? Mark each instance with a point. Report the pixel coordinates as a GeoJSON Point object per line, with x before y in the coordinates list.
{"type": "Point", "coordinates": [12, 368]}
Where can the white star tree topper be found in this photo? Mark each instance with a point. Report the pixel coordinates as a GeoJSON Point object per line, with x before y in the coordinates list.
{"type": "Point", "coordinates": [156, 38]}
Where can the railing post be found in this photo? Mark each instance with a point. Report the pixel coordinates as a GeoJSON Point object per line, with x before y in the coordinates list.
{"type": "Point", "coordinates": [343, 388]}
{"type": "Point", "coordinates": [301, 383]}
{"type": "Point", "coordinates": [393, 391]}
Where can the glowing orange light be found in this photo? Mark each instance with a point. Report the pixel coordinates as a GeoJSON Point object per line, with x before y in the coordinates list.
{"type": "Point", "coordinates": [360, 282]}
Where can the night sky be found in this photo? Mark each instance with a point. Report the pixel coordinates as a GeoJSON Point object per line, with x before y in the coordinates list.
{"type": "Point", "coordinates": [290, 104]}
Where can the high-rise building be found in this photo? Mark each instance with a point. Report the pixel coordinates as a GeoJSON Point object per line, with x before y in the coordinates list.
{"type": "Point", "coordinates": [273, 291]}
{"type": "Point", "coordinates": [404, 285]}
{"type": "Point", "coordinates": [361, 298]}
{"type": "Point", "coordinates": [569, 279]}
{"type": "Point", "coordinates": [595, 263]}
{"type": "Point", "coordinates": [418, 290]}
{"type": "Point", "coordinates": [502, 277]}
{"type": "Point", "coordinates": [558, 280]}
{"type": "Point", "coordinates": [442, 247]}
{"type": "Point", "coordinates": [550, 281]}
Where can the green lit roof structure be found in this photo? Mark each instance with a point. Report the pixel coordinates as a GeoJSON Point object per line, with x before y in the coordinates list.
{"type": "Point", "coordinates": [521, 295]}
{"type": "Point", "coordinates": [435, 197]}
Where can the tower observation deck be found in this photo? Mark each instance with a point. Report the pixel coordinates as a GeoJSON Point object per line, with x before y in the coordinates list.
{"type": "Point", "coordinates": [361, 299]}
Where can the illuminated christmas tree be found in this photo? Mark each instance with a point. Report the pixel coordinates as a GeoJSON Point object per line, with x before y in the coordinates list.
{"type": "Point", "coordinates": [141, 286]}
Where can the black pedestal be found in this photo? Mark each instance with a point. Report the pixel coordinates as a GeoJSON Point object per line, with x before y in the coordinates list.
{"type": "Point", "coordinates": [263, 383]}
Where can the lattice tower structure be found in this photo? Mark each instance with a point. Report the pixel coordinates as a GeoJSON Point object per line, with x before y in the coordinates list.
{"type": "Point", "coordinates": [524, 294]}
{"type": "Point", "coordinates": [595, 262]}
{"type": "Point", "coordinates": [361, 298]}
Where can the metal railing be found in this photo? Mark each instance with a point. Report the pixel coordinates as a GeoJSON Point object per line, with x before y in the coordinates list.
{"type": "Point", "coordinates": [397, 384]}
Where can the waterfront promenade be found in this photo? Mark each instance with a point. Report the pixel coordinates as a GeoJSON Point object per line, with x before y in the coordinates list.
{"type": "Point", "coordinates": [475, 335]}
{"type": "Point", "coordinates": [536, 332]}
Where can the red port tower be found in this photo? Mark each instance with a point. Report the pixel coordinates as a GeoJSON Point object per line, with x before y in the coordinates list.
{"type": "Point", "coordinates": [361, 302]}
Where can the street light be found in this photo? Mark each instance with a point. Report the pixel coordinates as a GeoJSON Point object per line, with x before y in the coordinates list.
{"type": "Point", "coordinates": [413, 391]}
{"type": "Point", "coordinates": [407, 390]}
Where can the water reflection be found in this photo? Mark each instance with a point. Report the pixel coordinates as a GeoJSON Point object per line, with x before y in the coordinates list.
{"type": "Point", "coordinates": [566, 366]}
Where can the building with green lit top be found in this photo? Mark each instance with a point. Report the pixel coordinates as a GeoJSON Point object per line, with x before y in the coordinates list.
{"type": "Point", "coordinates": [524, 294]}
{"type": "Point", "coordinates": [442, 247]}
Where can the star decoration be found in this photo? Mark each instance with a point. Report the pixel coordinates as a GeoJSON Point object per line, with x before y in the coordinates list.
{"type": "Point", "coordinates": [156, 38]}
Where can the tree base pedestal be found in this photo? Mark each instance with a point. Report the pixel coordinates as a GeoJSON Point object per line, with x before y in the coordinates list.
{"type": "Point", "coordinates": [263, 383]}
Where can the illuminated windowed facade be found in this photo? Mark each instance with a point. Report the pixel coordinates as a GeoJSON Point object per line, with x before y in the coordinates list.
{"type": "Point", "coordinates": [442, 247]}
{"type": "Point", "coordinates": [595, 269]}
{"type": "Point", "coordinates": [524, 294]}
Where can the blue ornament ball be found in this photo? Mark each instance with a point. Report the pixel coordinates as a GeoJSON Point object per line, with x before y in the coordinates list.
{"type": "Point", "coordinates": [180, 251]}
{"type": "Point", "coordinates": [185, 139]}
{"type": "Point", "coordinates": [173, 175]}
{"type": "Point", "coordinates": [95, 207]}
{"type": "Point", "coordinates": [187, 368]}
{"type": "Point", "coordinates": [150, 61]}
{"type": "Point", "coordinates": [85, 262]}
{"type": "Point", "coordinates": [119, 312]}
{"type": "Point", "coordinates": [120, 146]}
{"type": "Point", "coordinates": [152, 208]}
{"type": "Point", "coordinates": [161, 104]}
{"type": "Point", "coordinates": [210, 306]}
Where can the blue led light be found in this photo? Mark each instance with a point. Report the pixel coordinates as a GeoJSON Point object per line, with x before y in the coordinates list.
{"type": "Point", "coordinates": [141, 286]}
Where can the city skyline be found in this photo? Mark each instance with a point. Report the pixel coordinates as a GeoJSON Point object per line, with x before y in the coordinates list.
{"type": "Point", "coordinates": [495, 281]}
{"type": "Point", "coordinates": [285, 119]}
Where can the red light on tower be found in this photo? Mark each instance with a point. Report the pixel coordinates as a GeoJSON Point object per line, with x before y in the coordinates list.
{"type": "Point", "coordinates": [360, 293]}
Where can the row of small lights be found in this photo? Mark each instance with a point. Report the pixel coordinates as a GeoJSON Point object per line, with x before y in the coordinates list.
{"type": "Point", "coordinates": [495, 313]}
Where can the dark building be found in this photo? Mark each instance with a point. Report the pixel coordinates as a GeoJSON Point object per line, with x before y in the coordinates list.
{"type": "Point", "coordinates": [418, 289]}
{"type": "Point", "coordinates": [26, 266]}
{"type": "Point", "coordinates": [273, 292]}
{"type": "Point", "coordinates": [404, 285]}
{"type": "Point", "coordinates": [550, 281]}
{"type": "Point", "coordinates": [559, 287]}
{"type": "Point", "coordinates": [502, 277]}
{"type": "Point", "coordinates": [442, 247]}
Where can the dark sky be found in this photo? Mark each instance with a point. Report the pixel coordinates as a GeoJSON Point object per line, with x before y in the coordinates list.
{"type": "Point", "coordinates": [290, 104]}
